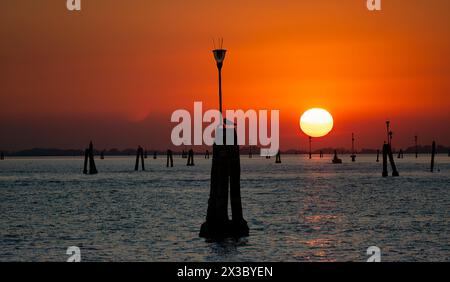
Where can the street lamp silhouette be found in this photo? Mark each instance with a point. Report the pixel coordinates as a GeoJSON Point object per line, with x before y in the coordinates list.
{"type": "Point", "coordinates": [225, 181]}
{"type": "Point", "coordinates": [219, 56]}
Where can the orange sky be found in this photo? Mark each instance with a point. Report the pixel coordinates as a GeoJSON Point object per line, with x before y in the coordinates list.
{"type": "Point", "coordinates": [116, 71]}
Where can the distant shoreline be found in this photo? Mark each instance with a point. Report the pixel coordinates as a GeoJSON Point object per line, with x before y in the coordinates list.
{"type": "Point", "coordinates": [43, 152]}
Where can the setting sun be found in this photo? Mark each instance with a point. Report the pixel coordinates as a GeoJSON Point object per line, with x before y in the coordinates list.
{"type": "Point", "coordinates": [316, 122]}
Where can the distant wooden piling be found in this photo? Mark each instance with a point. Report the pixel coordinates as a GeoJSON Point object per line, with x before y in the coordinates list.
{"type": "Point", "coordinates": [89, 158]}
{"type": "Point", "coordinates": [169, 158]}
{"type": "Point", "coordinates": [145, 154]}
{"type": "Point", "coordinates": [184, 155]}
{"type": "Point", "coordinates": [155, 155]}
{"type": "Point", "coordinates": [391, 160]}
{"type": "Point", "coordinates": [385, 160]}
{"type": "Point", "coordinates": [416, 146]}
{"type": "Point", "coordinates": [321, 154]}
{"type": "Point", "coordinates": [400, 154]}
{"type": "Point", "coordinates": [190, 161]}
{"type": "Point", "coordinates": [102, 155]}
{"type": "Point", "coordinates": [207, 154]}
{"type": "Point", "coordinates": [310, 147]}
{"type": "Point", "coordinates": [433, 153]}
{"type": "Point", "coordinates": [353, 156]}
{"type": "Point", "coordinates": [378, 155]}
{"type": "Point", "coordinates": [139, 155]}
{"type": "Point", "coordinates": [250, 153]}
{"type": "Point", "coordinates": [387, 154]}
{"type": "Point", "coordinates": [335, 159]}
{"type": "Point", "coordinates": [278, 157]}
{"type": "Point", "coordinates": [2, 156]}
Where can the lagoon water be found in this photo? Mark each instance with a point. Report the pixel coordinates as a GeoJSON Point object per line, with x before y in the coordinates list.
{"type": "Point", "coordinates": [300, 210]}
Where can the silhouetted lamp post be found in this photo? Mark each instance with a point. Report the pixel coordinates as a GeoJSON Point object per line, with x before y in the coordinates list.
{"type": "Point", "coordinates": [225, 183]}
{"type": "Point", "coordinates": [219, 56]}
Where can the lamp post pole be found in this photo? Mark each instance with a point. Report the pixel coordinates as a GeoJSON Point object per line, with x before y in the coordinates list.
{"type": "Point", "coordinates": [219, 56]}
{"type": "Point", "coordinates": [219, 66]}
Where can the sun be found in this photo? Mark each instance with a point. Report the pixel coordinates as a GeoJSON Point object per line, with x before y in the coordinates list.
{"type": "Point", "coordinates": [316, 122]}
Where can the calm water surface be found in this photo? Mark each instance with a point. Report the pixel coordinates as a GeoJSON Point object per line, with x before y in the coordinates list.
{"type": "Point", "coordinates": [299, 210]}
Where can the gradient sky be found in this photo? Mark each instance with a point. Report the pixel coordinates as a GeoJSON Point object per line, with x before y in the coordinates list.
{"type": "Point", "coordinates": [115, 71]}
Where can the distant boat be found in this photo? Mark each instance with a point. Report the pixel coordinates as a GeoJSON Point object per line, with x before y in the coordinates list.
{"type": "Point", "coordinates": [336, 160]}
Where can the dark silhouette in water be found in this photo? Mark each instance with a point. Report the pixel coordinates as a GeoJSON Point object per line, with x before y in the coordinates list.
{"type": "Point", "coordinates": [400, 154]}
{"type": "Point", "coordinates": [102, 155]}
{"type": "Point", "coordinates": [250, 153]}
{"type": "Point", "coordinates": [225, 171]}
{"type": "Point", "coordinates": [184, 155]}
{"type": "Point", "coordinates": [89, 157]}
{"type": "Point", "coordinates": [336, 160]}
{"type": "Point", "coordinates": [321, 154]}
{"type": "Point", "coordinates": [353, 156]}
{"type": "Point", "coordinates": [433, 153]}
{"type": "Point", "coordinates": [310, 152]}
{"type": "Point", "coordinates": [278, 157]}
{"type": "Point", "coordinates": [169, 158]}
{"type": "Point", "coordinates": [416, 146]}
{"type": "Point", "coordinates": [190, 161]}
{"type": "Point", "coordinates": [387, 152]}
{"type": "Point", "coordinates": [207, 154]}
{"type": "Point", "coordinates": [155, 155]}
{"type": "Point", "coordinates": [378, 155]}
{"type": "Point", "coordinates": [2, 156]}
{"type": "Point", "coordinates": [145, 154]}
{"type": "Point", "coordinates": [139, 155]}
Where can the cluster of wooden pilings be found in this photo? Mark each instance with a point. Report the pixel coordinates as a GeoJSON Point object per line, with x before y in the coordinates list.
{"type": "Point", "coordinates": [225, 172]}
{"type": "Point", "coordinates": [387, 153]}
{"type": "Point", "coordinates": [190, 160]}
{"type": "Point", "coordinates": [139, 155]}
{"type": "Point", "coordinates": [89, 159]}
{"type": "Point", "coordinates": [278, 157]}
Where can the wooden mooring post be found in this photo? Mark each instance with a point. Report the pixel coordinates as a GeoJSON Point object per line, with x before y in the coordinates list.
{"type": "Point", "coordinates": [433, 153]}
{"type": "Point", "coordinates": [190, 161]}
{"type": "Point", "coordinates": [139, 155]}
{"type": "Point", "coordinates": [89, 159]}
{"type": "Point", "coordinates": [169, 158]}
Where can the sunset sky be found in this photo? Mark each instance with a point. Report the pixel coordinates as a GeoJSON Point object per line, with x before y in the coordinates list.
{"type": "Point", "coordinates": [116, 71]}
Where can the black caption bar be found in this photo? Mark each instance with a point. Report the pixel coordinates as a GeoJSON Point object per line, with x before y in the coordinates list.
{"type": "Point", "coordinates": [220, 271]}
